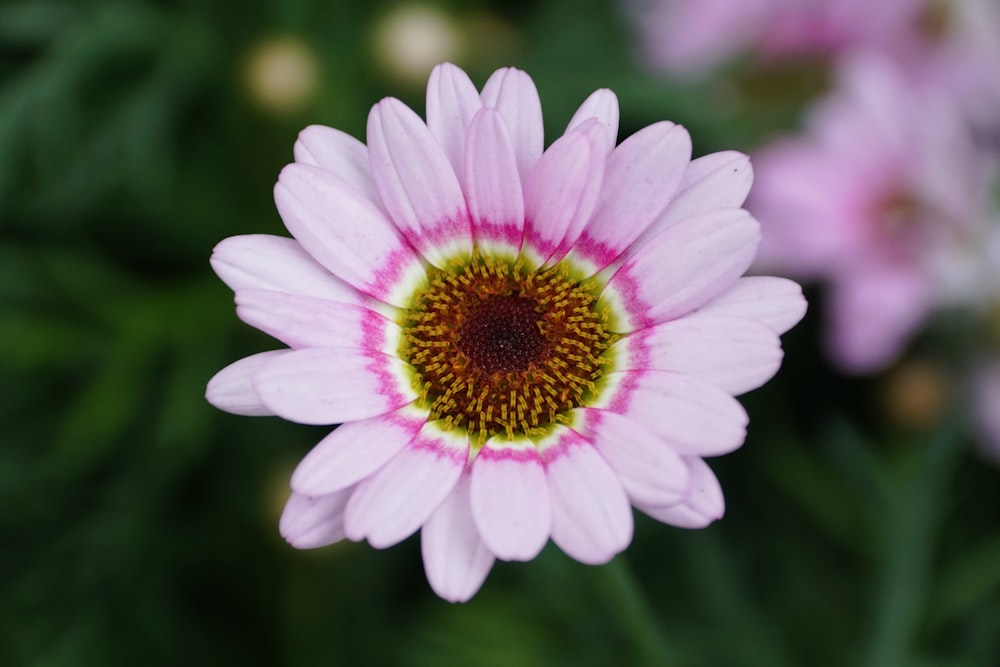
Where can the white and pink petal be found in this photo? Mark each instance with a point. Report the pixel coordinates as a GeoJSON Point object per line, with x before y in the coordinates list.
{"type": "Point", "coordinates": [704, 504]}
{"type": "Point", "coordinates": [310, 522]}
{"type": "Point", "coordinates": [347, 233]}
{"type": "Point", "coordinates": [452, 101]}
{"type": "Point", "coordinates": [641, 178]}
{"type": "Point", "coordinates": [602, 105]}
{"type": "Point", "coordinates": [682, 268]}
{"type": "Point", "coordinates": [512, 92]}
{"type": "Point", "coordinates": [649, 470]}
{"type": "Point", "coordinates": [713, 181]}
{"type": "Point", "coordinates": [338, 153]}
{"type": "Point", "coordinates": [561, 190]}
{"type": "Point", "coordinates": [691, 415]}
{"type": "Point", "coordinates": [735, 354]}
{"type": "Point", "coordinates": [510, 499]}
{"type": "Point", "coordinates": [303, 321]}
{"type": "Point", "coordinates": [417, 183]}
{"type": "Point", "coordinates": [332, 385]}
{"type": "Point", "coordinates": [492, 184]}
{"type": "Point", "coordinates": [456, 560]}
{"type": "Point", "coordinates": [395, 501]}
{"type": "Point", "coordinates": [263, 261]}
{"type": "Point", "coordinates": [355, 450]}
{"type": "Point", "coordinates": [776, 303]}
{"type": "Point", "coordinates": [591, 515]}
{"type": "Point", "coordinates": [231, 389]}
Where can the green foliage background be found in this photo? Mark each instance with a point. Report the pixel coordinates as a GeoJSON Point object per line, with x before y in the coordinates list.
{"type": "Point", "coordinates": [139, 526]}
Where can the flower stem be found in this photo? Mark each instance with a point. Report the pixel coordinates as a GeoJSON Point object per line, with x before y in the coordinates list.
{"type": "Point", "coordinates": [911, 523]}
{"type": "Point", "coordinates": [636, 616]}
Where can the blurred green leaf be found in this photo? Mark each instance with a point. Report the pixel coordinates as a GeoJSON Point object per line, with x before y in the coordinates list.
{"type": "Point", "coordinates": [33, 22]}
{"type": "Point", "coordinates": [967, 584]}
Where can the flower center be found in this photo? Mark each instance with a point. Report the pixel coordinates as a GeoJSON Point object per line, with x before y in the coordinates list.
{"type": "Point", "coordinates": [498, 348]}
{"type": "Point", "coordinates": [934, 20]}
{"type": "Point", "coordinates": [502, 334]}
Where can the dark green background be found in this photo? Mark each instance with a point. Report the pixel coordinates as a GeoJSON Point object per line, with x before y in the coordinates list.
{"type": "Point", "coordinates": [139, 526]}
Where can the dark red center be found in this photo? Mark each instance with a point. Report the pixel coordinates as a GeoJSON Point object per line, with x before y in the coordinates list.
{"type": "Point", "coordinates": [502, 334]}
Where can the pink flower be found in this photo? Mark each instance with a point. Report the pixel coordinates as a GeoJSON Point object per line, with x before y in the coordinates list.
{"type": "Point", "coordinates": [959, 53]}
{"type": "Point", "coordinates": [883, 199]}
{"type": "Point", "coordinates": [518, 344]}
{"type": "Point", "coordinates": [685, 37]}
{"type": "Point", "coordinates": [955, 45]}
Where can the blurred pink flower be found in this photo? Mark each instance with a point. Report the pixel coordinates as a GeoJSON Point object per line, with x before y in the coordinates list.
{"type": "Point", "coordinates": [955, 44]}
{"type": "Point", "coordinates": [884, 198]}
{"type": "Point", "coordinates": [687, 37]}
{"type": "Point", "coordinates": [518, 344]}
{"type": "Point", "coordinates": [960, 54]}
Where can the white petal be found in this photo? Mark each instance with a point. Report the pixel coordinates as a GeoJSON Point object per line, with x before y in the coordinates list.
{"type": "Point", "coordinates": [591, 516]}
{"type": "Point", "coordinates": [417, 182]}
{"type": "Point", "coordinates": [492, 184]}
{"type": "Point", "coordinates": [309, 522]}
{"type": "Point", "coordinates": [603, 105]}
{"type": "Point", "coordinates": [713, 181]}
{"type": "Point", "coordinates": [685, 266]}
{"type": "Point", "coordinates": [338, 153]}
{"type": "Point", "coordinates": [649, 470]}
{"type": "Point", "coordinates": [396, 500]}
{"type": "Point", "coordinates": [704, 504]}
{"type": "Point", "coordinates": [277, 263]}
{"type": "Point", "coordinates": [302, 321]}
{"type": "Point", "coordinates": [231, 390]}
{"type": "Point", "coordinates": [691, 415]}
{"type": "Point", "coordinates": [510, 499]}
{"type": "Point", "coordinates": [774, 302]}
{"type": "Point", "coordinates": [732, 353]}
{"type": "Point", "coordinates": [455, 559]}
{"type": "Point", "coordinates": [346, 232]}
{"type": "Point", "coordinates": [562, 189]}
{"type": "Point", "coordinates": [512, 92]}
{"type": "Point", "coordinates": [332, 385]}
{"type": "Point", "coordinates": [452, 101]}
{"type": "Point", "coordinates": [355, 450]}
{"type": "Point", "coordinates": [642, 176]}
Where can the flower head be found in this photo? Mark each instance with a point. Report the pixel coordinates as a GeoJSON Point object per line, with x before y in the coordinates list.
{"type": "Point", "coordinates": [691, 38]}
{"type": "Point", "coordinates": [517, 343]}
{"type": "Point", "coordinates": [950, 45]}
{"type": "Point", "coordinates": [885, 198]}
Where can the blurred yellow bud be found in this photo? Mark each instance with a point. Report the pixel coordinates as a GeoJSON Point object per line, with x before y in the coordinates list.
{"type": "Point", "coordinates": [916, 394]}
{"type": "Point", "coordinates": [281, 74]}
{"type": "Point", "coordinates": [410, 40]}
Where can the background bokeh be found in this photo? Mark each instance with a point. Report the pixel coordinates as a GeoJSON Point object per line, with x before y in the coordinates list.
{"type": "Point", "coordinates": [138, 525]}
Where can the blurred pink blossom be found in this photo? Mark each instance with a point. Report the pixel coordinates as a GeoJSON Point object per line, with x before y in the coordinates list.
{"type": "Point", "coordinates": [690, 38]}
{"type": "Point", "coordinates": [954, 43]}
{"type": "Point", "coordinates": [961, 55]}
{"type": "Point", "coordinates": [884, 198]}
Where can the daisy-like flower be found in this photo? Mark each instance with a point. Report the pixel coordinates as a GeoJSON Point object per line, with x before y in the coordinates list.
{"type": "Point", "coordinates": [951, 44]}
{"type": "Point", "coordinates": [885, 199]}
{"type": "Point", "coordinates": [517, 344]}
{"type": "Point", "coordinates": [693, 38]}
